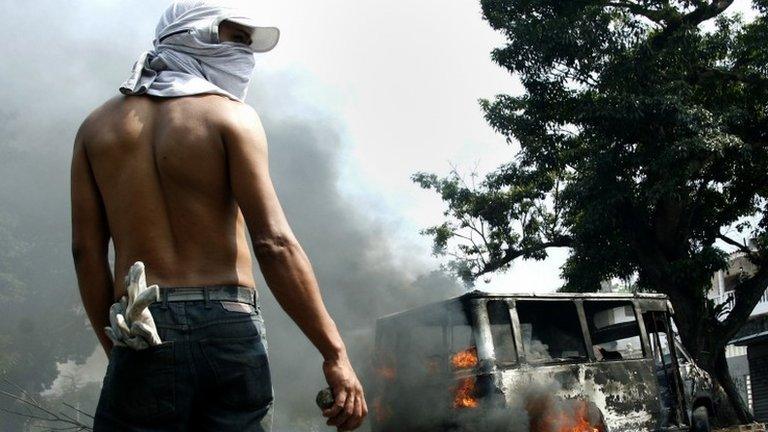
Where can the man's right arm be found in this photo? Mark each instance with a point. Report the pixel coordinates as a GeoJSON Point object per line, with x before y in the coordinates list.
{"type": "Point", "coordinates": [284, 264]}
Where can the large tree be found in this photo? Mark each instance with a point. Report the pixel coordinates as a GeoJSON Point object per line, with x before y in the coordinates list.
{"type": "Point", "coordinates": [642, 149]}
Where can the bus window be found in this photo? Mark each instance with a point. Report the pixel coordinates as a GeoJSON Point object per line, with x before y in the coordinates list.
{"type": "Point", "coordinates": [551, 331]}
{"type": "Point", "coordinates": [501, 332]}
{"type": "Point", "coordinates": [433, 344]}
{"type": "Point", "coordinates": [614, 330]}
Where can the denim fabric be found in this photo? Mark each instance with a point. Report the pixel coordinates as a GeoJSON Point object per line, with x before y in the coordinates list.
{"type": "Point", "coordinates": [211, 373]}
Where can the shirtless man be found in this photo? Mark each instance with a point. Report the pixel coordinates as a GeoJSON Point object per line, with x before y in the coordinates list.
{"type": "Point", "coordinates": [173, 174]}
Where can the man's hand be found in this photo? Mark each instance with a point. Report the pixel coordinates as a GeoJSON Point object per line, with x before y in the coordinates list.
{"type": "Point", "coordinates": [349, 408]}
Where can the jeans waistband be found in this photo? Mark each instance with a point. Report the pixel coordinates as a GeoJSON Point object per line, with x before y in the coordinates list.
{"type": "Point", "coordinates": [234, 293]}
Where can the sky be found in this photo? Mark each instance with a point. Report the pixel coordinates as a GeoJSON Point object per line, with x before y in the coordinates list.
{"type": "Point", "coordinates": [406, 78]}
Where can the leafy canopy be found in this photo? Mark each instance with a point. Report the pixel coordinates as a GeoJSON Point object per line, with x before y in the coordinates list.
{"type": "Point", "coordinates": [642, 139]}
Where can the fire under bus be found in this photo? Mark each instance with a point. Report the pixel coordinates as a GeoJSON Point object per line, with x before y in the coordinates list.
{"type": "Point", "coordinates": [537, 363]}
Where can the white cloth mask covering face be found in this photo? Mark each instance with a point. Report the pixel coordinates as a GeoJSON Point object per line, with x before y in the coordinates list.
{"type": "Point", "coordinates": [188, 58]}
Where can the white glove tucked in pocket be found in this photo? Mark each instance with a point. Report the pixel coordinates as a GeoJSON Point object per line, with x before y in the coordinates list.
{"type": "Point", "coordinates": [131, 322]}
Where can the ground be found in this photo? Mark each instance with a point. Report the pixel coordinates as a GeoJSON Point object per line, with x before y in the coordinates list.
{"type": "Point", "coordinates": [755, 427]}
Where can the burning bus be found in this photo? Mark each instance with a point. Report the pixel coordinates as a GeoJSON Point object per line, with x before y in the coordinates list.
{"type": "Point", "coordinates": [537, 363]}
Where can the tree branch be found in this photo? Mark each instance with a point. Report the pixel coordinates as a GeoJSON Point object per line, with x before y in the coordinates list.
{"type": "Point", "coordinates": [695, 17]}
{"type": "Point", "coordinates": [732, 75]}
{"type": "Point", "coordinates": [512, 254]}
{"type": "Point", "coordinates": [703, 13]}
{"type": "Point", "coordinates": [740, 246]}
{"type": "Point", "coordinates": [42, 413]}
{"type": "Point", "coordinates": [656, 16]}
{"type": "Point", "coordinates": [748, 293]}
{"type": "Point", "coordinates": [480, 233]}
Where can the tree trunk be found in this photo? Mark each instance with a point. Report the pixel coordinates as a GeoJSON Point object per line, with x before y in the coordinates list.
{"type": "Point", "coordinates": [732, 409]}
{"type": "Point", "coordinates": [722, 375]}
{"type": "Point", "coordinates": [697, 326]}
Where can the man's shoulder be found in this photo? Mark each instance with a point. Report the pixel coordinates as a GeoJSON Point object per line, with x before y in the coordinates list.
{"type": "Point", "coordinates": [224, 115]}
{"type": "Point", "coordinates": [97, 120]}
{"type": "Point", "coordinates": [119, 115]}
{"type": "Point", "coordinates": [238, 114]}
{"type": "Point", "coordinates": [105, 116]}
{"type": "Point", "coordinates": [214, 110]}
{"type": "Point", "coordinates": [237, 120]}
{"type": "Point", "coordinates": [99, 114]}
{"type": "Point", "coordinates": [213, 106]}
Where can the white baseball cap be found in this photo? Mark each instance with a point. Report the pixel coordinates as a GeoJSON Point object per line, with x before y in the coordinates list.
{"type": "Point", "coordinates": [263, 39]}
{"type": "Point", "coordinates": [205, 16]}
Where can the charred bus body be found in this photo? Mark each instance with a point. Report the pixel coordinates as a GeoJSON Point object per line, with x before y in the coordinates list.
{"type": "Point", "coordinates": [537, 363]}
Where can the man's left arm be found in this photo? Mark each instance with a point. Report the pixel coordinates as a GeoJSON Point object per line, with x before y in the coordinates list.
{"type": "Point", "coordinates": [90, 243]}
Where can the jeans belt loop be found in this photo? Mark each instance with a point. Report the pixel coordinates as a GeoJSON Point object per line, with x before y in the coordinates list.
{"type": "Point", "coordinates": [207, 297]}
{"type": "Point", "coordinates": [256, 305]}
{"type": "Point", "coordinates": [164, 296]}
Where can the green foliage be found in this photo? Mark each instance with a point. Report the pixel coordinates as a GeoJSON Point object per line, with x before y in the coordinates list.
{"type": "Point", "coordinates": [641, 138]}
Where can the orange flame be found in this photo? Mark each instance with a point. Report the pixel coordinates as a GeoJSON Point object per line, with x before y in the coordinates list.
{"type": "Point", "coordinates": [579, 424]}
{"type": "Point", "coordinates": [557, 418]}
{"type": "Point", "coordinates": [464, 394]}
{"type": "Point", "coordinates": [465, 359]}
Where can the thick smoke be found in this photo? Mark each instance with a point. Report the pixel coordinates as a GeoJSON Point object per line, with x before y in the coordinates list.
{"type": "Point", "coordinates": [354, 262]}
{"type": "Point", "coordinates": [60, 63]}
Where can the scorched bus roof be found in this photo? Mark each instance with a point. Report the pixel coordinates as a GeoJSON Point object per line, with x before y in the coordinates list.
{"type": "Point", "coordinates": [648, 301]}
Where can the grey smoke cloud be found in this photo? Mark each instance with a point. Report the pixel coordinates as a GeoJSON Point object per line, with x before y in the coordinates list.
{"type": "Point", "coordinates": [61, 62]}
{"type": "Point", "coordinates": [353, 260]}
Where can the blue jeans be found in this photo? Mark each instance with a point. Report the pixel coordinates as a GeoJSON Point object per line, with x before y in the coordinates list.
{"type": "Point", "coordinates": [211, 373]}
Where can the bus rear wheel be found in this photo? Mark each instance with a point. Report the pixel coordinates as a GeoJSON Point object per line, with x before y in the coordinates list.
{"type": "Point", "coordinates": [700, 420]}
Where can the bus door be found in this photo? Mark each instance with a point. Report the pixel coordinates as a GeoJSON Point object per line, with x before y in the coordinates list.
{"type": "Point", "coordinates": [671, 390]}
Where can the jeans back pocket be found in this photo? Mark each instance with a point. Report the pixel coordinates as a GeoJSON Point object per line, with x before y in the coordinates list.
{"type": "Point", "coordinates": [241, 371]}
{"type": "Point", "coordinates": [141, 382]}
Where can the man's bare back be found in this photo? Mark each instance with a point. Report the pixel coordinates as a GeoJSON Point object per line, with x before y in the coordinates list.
{"type": "Point", "coordinates": [173, 180]}
{"type": "Point", "coordinates": [161, 167]}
